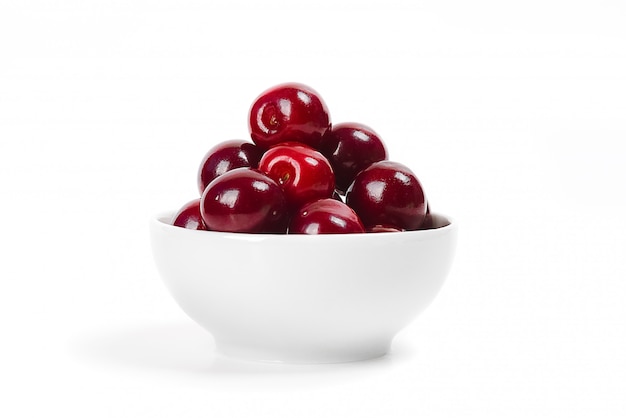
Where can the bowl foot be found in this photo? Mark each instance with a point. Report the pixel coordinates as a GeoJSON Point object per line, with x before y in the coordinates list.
{"type": "Point", "coordinates": [303, 355]}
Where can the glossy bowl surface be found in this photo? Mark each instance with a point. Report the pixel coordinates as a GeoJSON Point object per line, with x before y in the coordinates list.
{"type": "Point", "coordinates": [303, 298]}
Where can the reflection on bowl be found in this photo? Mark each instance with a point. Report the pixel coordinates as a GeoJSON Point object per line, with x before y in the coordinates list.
{"type": "Point", "coordinates": [303, 298]}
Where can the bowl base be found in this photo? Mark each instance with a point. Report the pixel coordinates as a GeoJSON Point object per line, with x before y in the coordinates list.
{"type": "Point", "coordinates": [327, 356]}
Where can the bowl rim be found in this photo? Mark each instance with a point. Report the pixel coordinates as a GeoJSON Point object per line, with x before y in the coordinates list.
{"type": "Point", "coordinates": [162, 220]}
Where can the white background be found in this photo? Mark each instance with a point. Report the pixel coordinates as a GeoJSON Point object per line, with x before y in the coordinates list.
{"type": "Point", "coordinates": [512, 114]}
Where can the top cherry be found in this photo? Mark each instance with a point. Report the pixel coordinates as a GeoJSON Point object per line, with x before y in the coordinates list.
{"type": "Point", "coordinates": [290, 112]}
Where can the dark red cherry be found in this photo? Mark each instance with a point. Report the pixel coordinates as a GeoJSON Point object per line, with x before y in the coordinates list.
{"type": "Point", "coordinates": [303, 173]}
{"type": "Point", "coordinates": [434, 221]}
{"type": "Point", "coordinates": [384, 228]}
{"type": "Point", "coordinates": [288, 112]}
{"type": "Point", "coordinates": [244, 200]}
{"type": "Point", "coordinates": [189, 216]}
{"type": "Point", "coordinates": [226, 156]}
{"type": "Point", "coordinates": [351, 148]}
{"type": "Point", "coordinates": [388, 193]}
{"type": "Point", "coordinates": [429, 222]}
{"type": "Point", "coordinates": [325, 216]}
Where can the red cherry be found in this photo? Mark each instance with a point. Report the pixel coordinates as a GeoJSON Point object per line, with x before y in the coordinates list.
{"type": "Point", "coordinates": [288, 112]}
{"type": "Point", "coordinates": [384, 228]}
{"type": "Point", "coordinates": [303, 173]}
{"type": "Point", "coordinates": [244, 200]}
{"type": "Point", "coordinates": [189, 216]}
{"type": "Point", "coordinates": [226, 156]}
{"type": "Point", "coordinates": [388, 193]}
{"type": "Point", "coordinates": [351, 148]}
{"type": "Point", "coordinates": [325, 216]}
{"type": "Point", "coordinates": [433, 221]}
{"type": "Point", "coordinates": [428, 223]}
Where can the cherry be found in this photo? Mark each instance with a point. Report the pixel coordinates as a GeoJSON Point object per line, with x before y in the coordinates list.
{"type": "Point", "coordinates": [350, 148]}
{"type": "Point", "coordinates": [433, 221]}
{"type": "Point", "coordinates": [303, 173]}
{"type": "Point", "coordinates": [384, 228]}
{"type": "Point", "coordinates": [244, 200]}
{"type": "Point", "coordinates": [288, 112]}
{"type": "Point", "coordinates": [428, 223]}
{"type": "Point", "coordinates": [189, 216]}
{"type": "Point", "coordinates": [388, 193]}
{"type": "Point", "coordinates": [226, 156]}
{"type": "Point", "coordinates": [325, 216]}
{"type": "Point", "coordinates": [327, 179]}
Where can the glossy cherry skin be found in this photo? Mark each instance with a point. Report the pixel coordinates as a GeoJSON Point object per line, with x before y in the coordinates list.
{"type": "Point", "coordinates": [351, 148]}
{"type": "Point", "coordinates": [303, 173]}
{"type": "Point", "coordinates": [288, 112]}
{"type": "Point", "coordinates": [388, 193]}
{"type": "Point", "coordinates": [428, 223]}
{"type": "Point", "coordinates": [384, 228]}
{"type": "Point", "coordinates": [432, 221]}
{"type": "Point", "coordinates": [189, 216]}
{"type": "Point", "coordinates": [325, 216]}
{"type": "Point", "coordinates": [226, 156]}
{"type": "Point", "coordinates": [244, 200]}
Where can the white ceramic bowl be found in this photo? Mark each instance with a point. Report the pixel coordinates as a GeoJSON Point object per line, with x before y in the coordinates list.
{"type": "Point", "coordinates": [303, 298]}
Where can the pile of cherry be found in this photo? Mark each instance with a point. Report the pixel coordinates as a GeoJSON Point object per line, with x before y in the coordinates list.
{"type": "Point", "coordinates": [302, 175]}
